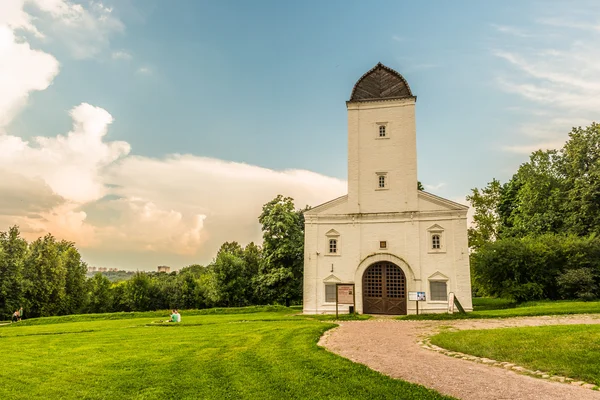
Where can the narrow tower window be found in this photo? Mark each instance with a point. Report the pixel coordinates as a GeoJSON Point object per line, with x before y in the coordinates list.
{"type": "Point", "coordinates": [381, 130]}
{"type": "Point", "coordinates": [381, 181]}
{"type": "Point", "coordinates": [332, 246]}
{"type": "Point", "coordinates": [435, 242]}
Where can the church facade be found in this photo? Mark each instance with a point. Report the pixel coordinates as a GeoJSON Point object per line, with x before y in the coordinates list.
{"type": "Point", "coordinates": [385, 236]}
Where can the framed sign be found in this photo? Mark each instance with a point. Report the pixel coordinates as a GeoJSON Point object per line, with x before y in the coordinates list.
{"type": "Point", "coordinates": [416, 296]}
{"type": "Point", "coordinates": [344, 294]}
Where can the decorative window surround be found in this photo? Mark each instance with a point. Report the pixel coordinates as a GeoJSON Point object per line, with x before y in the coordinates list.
{"type": "Point", "coordinates": [438, 288]}
{"type": "Point", "coordinates": [382, 181]}
{"type": "Point", "coordinates": [333, 245]}
{"type": "Point", "coordinates": [382, 130]}
{"type": "Point", "coordinates": [436, 240]}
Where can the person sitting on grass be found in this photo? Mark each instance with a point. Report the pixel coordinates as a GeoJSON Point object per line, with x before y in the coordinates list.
{"type": "Point", "coordinates": [175, 317]}
{"type": "Point", "coordinates": [15, 316]}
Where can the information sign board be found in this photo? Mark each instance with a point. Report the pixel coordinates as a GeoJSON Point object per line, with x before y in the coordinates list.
{"type": "Point", "coordinates": [416, 296]}
{"type": "Point", "coordinates": [345, 294]}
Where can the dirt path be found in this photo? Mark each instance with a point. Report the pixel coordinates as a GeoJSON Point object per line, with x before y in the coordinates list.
{"type": "Point", "coordinates": [391, 347]}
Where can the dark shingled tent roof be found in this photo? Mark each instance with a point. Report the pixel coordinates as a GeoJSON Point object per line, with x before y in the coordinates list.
{"type": "Point", "coordinates": [380, 83]}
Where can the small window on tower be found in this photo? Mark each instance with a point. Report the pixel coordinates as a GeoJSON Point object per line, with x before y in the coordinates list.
{"type": "Point", "coordinates": [383, 244]}
{"type": "Point", "coordinates": [332, 246]}
{"type": "Point", "coordinates": [381, 130]}
{"type": "Point", "coordinates": [381, 181]}
{"type": "Point", "coordinates": [436, 243]}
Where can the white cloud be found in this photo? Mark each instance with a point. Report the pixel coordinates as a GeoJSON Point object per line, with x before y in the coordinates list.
{"type": "Point", "coordinates": [85, 31]}
{"type": "Point", "coordinates": [557, 74]}
{"type": "Point", "coordinates": [22, 70]}
{"type": "Point", "coordinates": [121, 55]}
{"type": "Point", "coordinates": [511, 30]}
{"type": "Point", "coordinates": [433, 188]}
{"type": "Point", "coordinates": [83, 188]}
{"type": "Point", "coordinates": [144, 71]}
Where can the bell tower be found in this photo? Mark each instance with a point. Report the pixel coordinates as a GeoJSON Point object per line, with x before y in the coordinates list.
{"type": "Point", "coordinates": [382, 146]}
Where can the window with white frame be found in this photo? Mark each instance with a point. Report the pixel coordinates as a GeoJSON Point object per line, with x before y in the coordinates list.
{"type": "Point", "coordinates": [381, 131]}
{"type": "Point", "coordinates": [436, 241]}
{"type": "Point", "coordinates": [330, 292]}
{"type": "Point", "coordinates": [333, 246]}
{"type": "Point", "coordinates": [438, 291]}
{"type": "Point", "coordinates": [381, 181]}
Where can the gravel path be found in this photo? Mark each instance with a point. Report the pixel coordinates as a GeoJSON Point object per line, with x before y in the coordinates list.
{"type": "Point", "coordinates": [391, 347]}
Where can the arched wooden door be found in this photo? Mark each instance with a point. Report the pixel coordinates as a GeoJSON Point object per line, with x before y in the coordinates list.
{"type": "Point", "coordinates": [384, 289]}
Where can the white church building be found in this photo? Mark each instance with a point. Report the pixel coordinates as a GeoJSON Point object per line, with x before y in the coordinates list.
{"type": "Point", "coordinates": [385, 236]}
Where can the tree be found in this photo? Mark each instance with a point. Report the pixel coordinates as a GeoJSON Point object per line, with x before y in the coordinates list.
{"type": "Point", "coordinates": [532, 201]}
{"type": "Point", "coordinates": [227, 282]}
{"type": "Point", "coordinates": [100, 294]}
{"type": "Point", "coordinates": [486, 219]}
{"type": "Point", "coordinates": [580, 164]}
{"type": "Point", "coordinates": [75, 280]}
{"type": "Point", "coordinates": [280, 274]}
{"type": "Point", "coordinates": [45, 274]}
{"type": "Point", "coordinates": [13, 250]}
{"type": "Point", "coordinates": [138, 292]}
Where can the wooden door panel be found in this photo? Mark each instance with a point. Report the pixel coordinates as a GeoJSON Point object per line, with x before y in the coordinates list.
{"type": "Point", "coordinates": [384, 289]}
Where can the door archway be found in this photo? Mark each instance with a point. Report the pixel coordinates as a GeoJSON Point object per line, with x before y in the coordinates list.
{"type": "Point", "coordinates": [384, 289]}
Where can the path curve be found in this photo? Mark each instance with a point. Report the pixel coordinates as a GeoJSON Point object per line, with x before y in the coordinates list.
{"type": "Point", "coordinates": [391, 347]}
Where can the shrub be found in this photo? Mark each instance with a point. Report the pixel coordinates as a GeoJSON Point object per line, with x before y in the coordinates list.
{"type": "Point", "coordinates": [577, 283]}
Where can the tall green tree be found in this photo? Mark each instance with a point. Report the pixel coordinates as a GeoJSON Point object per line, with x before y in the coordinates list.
{"type": "Point", "coordinates": [99, 294]}
{"type": "Point", "coordinates": [532, 202]}
{"type": "Point", "coordinates": [13, 250]}
{"type": "Point", "coordinates": [138, 292]}
{"type": "Point", "coordinates": [227, 284]}
{"type": "Point", "coordinates": [280, 275]}
{"type": "Point", "coordinates": [45, 274]}
{"type": "Point", "coordinates": [75, 280]}
{"type": "Point", "coordinates": [486, 221]}
{"type": "Point", "coordinates": [580, 164]}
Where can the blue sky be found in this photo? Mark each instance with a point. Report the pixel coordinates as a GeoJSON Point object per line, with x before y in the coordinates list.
{"type": "Point", "coordinates": [180, 89]}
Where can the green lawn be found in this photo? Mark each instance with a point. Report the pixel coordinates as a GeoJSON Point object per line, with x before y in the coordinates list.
{"type": "Point", "coordinates": [254, 355]}
{"type": "Point", "coordinates": [571, 350]}
{"type": "Point", "coordinates": [488, 310]}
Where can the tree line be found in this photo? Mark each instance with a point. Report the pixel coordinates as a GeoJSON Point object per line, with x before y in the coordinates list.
{"type": "Point", "coordinates": [537, 236]}
{"type": "Point", "coordinates": [48, 276]}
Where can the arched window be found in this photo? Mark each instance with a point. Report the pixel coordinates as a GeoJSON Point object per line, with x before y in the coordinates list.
{"type": "Point", "coordinates": [381, 181]}
{"type": "Point", "coordinates": [436, 242]}
{"type": "Point", "coordinates": [381, 130]}
{"type": "Point", "coordinates": [332, 246]}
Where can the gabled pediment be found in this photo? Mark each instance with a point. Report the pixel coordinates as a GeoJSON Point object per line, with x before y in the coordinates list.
{"type": "Point", "coordinates": [332, 279]}
{"type": "Point", "coordinates": [332, 232]}
{"type": "Point", "coordinates": [439, 203]}
{"type": "Point", "coordinates": [435, 228]}
{"type": "Point", "coordinates": [438, 276]}
{"type": "Point", "coordinates": [335, 206]}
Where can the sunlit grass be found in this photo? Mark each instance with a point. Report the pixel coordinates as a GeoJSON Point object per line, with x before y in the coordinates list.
{"type": "Point", "coordinates": [522, 310]}
{"type": "Point", "coordinates": [259, 355]}
{"type": "Point", "coordinates": [571, 350]}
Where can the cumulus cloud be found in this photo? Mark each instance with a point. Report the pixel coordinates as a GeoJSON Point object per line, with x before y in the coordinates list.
{"type": "Point", "coordinates": [82, 187]}
{"type": "Point", "coordinates": [22, 70]}
{"type": "Point", "coordinates": [556, 72]}
{"type": "Point", "coordinates": [121, 55]}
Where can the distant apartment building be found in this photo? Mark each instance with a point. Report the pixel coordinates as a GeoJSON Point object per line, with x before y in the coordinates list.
{"type": "Point", "coordinates": [164, 268]}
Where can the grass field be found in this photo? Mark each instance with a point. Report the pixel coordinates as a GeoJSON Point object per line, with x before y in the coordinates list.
{"type": "Point", "coordinates": [269, 354]}
{"type": "Point", "coordinates": [495, 308]}
{"type": "Point", "coordinates": [571, 350]}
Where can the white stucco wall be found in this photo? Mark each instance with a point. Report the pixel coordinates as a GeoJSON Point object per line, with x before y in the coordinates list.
{"type": "Point", "coordinates": [408, 246]}
{"type": "Point", "coordinates": [399, 214]}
